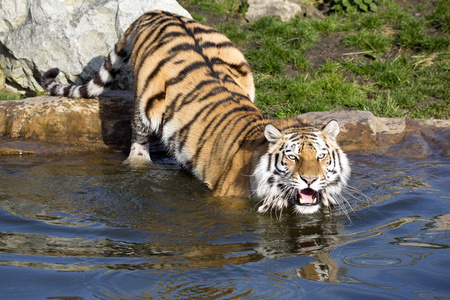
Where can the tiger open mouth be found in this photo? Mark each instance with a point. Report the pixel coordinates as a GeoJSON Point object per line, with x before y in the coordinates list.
{"type": "Point", "coordinates": [308, 197]}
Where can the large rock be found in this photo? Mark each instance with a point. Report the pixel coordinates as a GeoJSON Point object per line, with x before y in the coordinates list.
{"type": "Point", "coordinates": [282, 8]}
{"type": "Point", "coordinates": [362, 131]}
{"type": "Point", "coordinates": [104, 122]}
{"type": "Point", "coordinates": [71, 35]}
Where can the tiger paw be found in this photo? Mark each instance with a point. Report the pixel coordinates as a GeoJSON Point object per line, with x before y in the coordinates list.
{"type": "Point", "coordinates": [139, 156]}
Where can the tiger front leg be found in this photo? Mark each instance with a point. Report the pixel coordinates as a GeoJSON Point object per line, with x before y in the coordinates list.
{"type": "Point", "coordinates": [139, 151]}
{"type": "Point", "coordinates": [140, 144]}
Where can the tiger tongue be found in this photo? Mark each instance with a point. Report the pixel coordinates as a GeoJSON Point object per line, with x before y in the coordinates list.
{"type": "Point", "coordinates": [307, 196]}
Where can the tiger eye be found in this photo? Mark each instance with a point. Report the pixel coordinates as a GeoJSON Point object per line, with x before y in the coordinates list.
{"type": "Point", "coordinates": [292, 157]}
{"type": "Point", "coordinates": [321, 156]}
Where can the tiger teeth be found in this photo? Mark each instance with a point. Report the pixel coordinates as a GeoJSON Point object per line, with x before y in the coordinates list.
{"type": "Point", "coordinates": [314, 201]}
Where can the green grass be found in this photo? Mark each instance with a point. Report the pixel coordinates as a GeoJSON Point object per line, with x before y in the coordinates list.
{"type": "Point", "coordinates": [397, 62]}
{"type": "Point", "coordinates": [369, 41]}
{"type": "Point", "coordinates": [276, 44]}
{"type": "Point", "coordinates": [223, 7]}
{"type": "Point", "coordinates": [8, 95]}
{"type": "Point", "coordinates": [325, 89]}
{"type": "Point", "coordinates": [440, 17]}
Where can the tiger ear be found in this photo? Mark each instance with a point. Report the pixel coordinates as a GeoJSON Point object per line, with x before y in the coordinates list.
{"type": "Point", "coordinates": [331, 129]}
{"type": "Point", "coordinates": [272, 134]}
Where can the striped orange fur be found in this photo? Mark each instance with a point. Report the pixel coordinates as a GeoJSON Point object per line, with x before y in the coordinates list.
{"type": "Point", "coordinates": [195, 89]}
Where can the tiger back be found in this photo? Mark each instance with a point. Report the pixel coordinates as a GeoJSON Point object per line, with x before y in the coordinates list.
{"type": "Point", "coordinates": [195, 89]}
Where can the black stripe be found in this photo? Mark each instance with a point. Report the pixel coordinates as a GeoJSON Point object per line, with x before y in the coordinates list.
{"type": "Point", "coordinates": [122, 53]}
{"type": "Point", "coordinates": [226, 171]}
{"type": "Point", "coordinates": [335, 181]}
{"type": "Point", "coordinates": [182, 47]}
{"type": "Point", "coordinates": [206, 110]}
{"type": "Point", "coordinates": [338, 161]}
{"type": "Point", "coordinates": [201, 30]}
{"type": "Point", "coordinates": [108, 65]}
{"type": "Point", "coordinates": [151, 101]}
{"type": "Point", "coordinates": [333, 156]}
{"type": "Point", "coordinates": [218, 89]}
{"type": "Point", "coordinates": [242, 68]}
{"type": "Point", "coordinates": [234, 114]}
{"type": "Point", "coordinates": [226, 44]}
{"type": "Point", "coordinates": [66, 91]}
{"type": "Point", "coordinates": [54, 89]}
{"type": "Point", "coordinates": [197, 46]}
{"type": "Point", "coordinates": [205, 137]}
{"type": "Point", "coordinates": [152, 37]}
{"type": "Point", "coordinates": [84, 91]}
{"type": "Point", "coordinates": [248, 135]}
{"type": "Point", "coordinates": [156, 70]}
{"type": "Point", "coordinates": [185, 99]}
{"type": "Point", "coordinates": [170, 111]}
{"type": "Point", "coordinates": [98, 80]}
{"type": "Point", "coordinates": [277, 157]}
{"type": "Point", "coordinates": [183, 73]}
{"type": "Point", "coordinates": [172, 35]}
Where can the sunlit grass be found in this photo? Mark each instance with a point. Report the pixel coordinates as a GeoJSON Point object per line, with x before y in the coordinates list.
{"type": "Point", "coordinates": [8, 95]}
{"type": "Point", "coordinates": [400, 64]}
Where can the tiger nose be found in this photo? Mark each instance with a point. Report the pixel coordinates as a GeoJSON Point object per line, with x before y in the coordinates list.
{"type": "Point", "coordinates": [308, 179]}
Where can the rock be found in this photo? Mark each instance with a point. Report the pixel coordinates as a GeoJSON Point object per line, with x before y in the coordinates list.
{"type": "Point", "coordinates": [71, 35]}
{"type": "Point", "coordinates": [104, 123]}
{"type": "Point", "coordinates": [358, 128]}
{"type": "Point", "coordinates": [2, 80]}
{"type": "Point", "coordinates": [100, 122]}
{"type": "Point", "coordinates": [261, 8]}
{"type": "Point", "coordinates": [309, 9]}
{"type": "Point", "coordinates": [362, 131]}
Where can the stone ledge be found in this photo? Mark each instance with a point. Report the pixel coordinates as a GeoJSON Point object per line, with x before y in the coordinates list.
{"type": "Point", "coordinates": [362, 131]}
{"type": "Point", "coordinates": [104, 123]}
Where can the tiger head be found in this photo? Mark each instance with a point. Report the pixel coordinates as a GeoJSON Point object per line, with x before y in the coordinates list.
{"type": "Point", "coordinates": [303, 168]}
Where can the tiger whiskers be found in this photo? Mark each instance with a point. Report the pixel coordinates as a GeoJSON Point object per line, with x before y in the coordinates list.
{"type": "Point", "coordinates": [344, 203]}
{"type": "Point", "coordinates": [274, 203]}
{"type": "Point", "coordinates": [350, 190]}
{"type": "Point", "coordinates": [356, 195]}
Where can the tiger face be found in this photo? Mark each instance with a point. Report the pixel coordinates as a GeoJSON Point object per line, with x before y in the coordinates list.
{"type": "Point", "coordinates": [303, 168]}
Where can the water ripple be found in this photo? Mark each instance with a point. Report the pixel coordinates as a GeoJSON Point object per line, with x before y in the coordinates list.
{"type": "Point", "coordinates": [385, 259]}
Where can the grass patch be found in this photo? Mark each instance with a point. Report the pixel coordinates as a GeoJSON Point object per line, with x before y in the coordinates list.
{"type": "Point", "coordinates": [394, 62]}
{"type": "Point", "coordinates": [224, 7]}
{"type": "Point", "coordinates": [440, 17]}
{"type": "Point", "coordinates": [414, 34]}
{"type": "Point", "coordinates": [8, 95]}
{"type": "Point", "coordinates": [276, 44]}
{"type": "Point", "coordinates": [369, 41]}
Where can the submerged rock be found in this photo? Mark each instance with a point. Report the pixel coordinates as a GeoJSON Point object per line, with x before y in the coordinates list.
{"type": "Point", "coordinates": [104, 123]}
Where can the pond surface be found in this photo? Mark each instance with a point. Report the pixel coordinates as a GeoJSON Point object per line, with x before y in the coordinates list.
{"type": "Point", "coordinates": [84, 226]}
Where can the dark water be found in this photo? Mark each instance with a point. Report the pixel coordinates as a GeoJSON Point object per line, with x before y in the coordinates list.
{"type": "Point", "coordinates": [86, 227]}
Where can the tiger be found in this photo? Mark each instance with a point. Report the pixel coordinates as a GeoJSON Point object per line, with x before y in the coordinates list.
{"type": "Point", "coordinates": [195, 90]}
